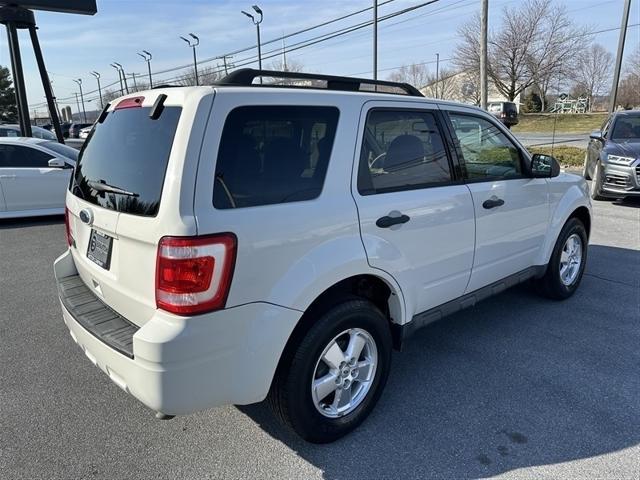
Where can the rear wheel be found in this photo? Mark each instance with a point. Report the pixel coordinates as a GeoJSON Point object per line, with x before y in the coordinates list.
{"type": "Point", "coordinates": [566, 266]}
{"type": "Point", "coordinates": [336, 373]}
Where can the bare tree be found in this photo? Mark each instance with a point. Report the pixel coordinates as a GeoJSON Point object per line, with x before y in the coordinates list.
{"type": "Point", "coordinates": [415, 74]}
{"type": "Point", "coordinates": [286, 65]}
{"type": "Point", "coordinates": [629, 89]}
{"type": "Point", "coordinates": [206, 76]}
{"type": "Point", "coordinates": [592, 71]}
{"type": "Point", "coordinates": [447, 86]}
{"type": "Point", "coordinates": [533, 45]}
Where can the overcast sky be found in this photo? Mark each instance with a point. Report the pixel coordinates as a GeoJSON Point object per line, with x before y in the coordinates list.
{"type": "Point", "coordinates": [74, 45]}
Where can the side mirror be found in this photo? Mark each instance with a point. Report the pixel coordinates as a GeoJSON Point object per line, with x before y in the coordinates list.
{"type": "Point", "coordinates": [544, 166]}
{"type": "Point", "coordinates": [596, 135]}
{"type": "Point", "coordinates": [57, 163]}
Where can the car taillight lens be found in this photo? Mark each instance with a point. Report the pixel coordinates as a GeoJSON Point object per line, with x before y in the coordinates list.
{"type": "Point", "coordinates": [67, 225]}
{"type": "Point", "coordinates": [193, 274]}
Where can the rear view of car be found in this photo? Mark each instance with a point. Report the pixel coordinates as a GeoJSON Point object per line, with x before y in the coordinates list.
{"type": "Point", "coordinates": [507, 112]}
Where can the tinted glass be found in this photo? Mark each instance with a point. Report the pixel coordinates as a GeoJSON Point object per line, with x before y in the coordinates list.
{"type": "Point", "coordinates": [9, 132]}
{"type": "Point", "coordinates": [129, 151]}
{"type": "Point", "coordinates": [626, 128]}
{"type": "Point", "coordinates": [18, 156]}
{"type": "Point", "coordinates": [60, 149]}
{"type": "Point", "coordinates": [487, 152]}
{"type": "Point", "coordinates": [402, 150]}
{"type": "Point", "coordinates": [273, 154]}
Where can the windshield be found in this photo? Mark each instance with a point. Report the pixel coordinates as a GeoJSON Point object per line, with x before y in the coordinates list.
{"type": "Point", "coordinates": [626, 128]}
{"type": "Point", "coordinates": [65, 151]}
{"type": "Point", "coordinates": [128, 151]}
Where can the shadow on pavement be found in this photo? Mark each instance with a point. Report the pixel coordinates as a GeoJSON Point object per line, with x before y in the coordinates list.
{"type": "Point", "coordinates": [517, 381]}
{"type": "Point", "coordinates": [31, 222]}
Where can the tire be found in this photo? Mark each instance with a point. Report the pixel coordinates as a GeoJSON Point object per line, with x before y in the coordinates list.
{"type": "Point", "coordinates": [585, 168]}
{"type": "Point", "coordinates": [291, 395]}
{"type": "Point", "coordinates": [596, 183]}
{"type": "Point", "coordinates": [553, 284]}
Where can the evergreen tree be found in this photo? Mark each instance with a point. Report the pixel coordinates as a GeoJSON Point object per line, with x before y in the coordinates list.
{"type": "Point", "coordinates": [8, 108]}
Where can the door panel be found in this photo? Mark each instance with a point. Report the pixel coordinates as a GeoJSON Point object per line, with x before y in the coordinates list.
{"type": "Point", "coordinates": [404, 169]}
{"type": "Point", "coordinates": [511, 210]}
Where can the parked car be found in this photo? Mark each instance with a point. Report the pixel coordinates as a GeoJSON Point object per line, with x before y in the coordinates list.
{"type": "Point", "coordinates": [74, 129]}
{"type": "Point", "coordinates": [507, 112]}
{"type": "Point", "coordinates": [279, 242]}
{"type": "Point", "coordinates": [84, 133]}
{"type": "Point", "coordinates": [11, 130]}
{"type": "Point", "coordinates": [34, 175]}
{"type": "Point", "coordinates": [612, 160]}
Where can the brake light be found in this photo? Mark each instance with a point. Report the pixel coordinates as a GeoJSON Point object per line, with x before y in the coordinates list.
{"type": "Point", "coordinates": [67, 226]}
{"type": "Point", "coordinates": [193, 274]}
{"type": "Point", "coordinates": [132, 102]}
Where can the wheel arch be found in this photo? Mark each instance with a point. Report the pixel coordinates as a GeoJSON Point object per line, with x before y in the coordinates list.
{"type": "Point", "coordinates": [382, 292]}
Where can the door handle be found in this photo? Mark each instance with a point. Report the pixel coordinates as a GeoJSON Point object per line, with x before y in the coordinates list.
{"type": "Point", "coordinates": [8, 176]}
{"type": "Point", "coordinates": [387, 221]}
{"type": "Point", "coordinates": [492, 202]}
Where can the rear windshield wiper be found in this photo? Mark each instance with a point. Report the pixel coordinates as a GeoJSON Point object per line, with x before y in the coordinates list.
{"type": "Point", "coordinates": [102, 186]}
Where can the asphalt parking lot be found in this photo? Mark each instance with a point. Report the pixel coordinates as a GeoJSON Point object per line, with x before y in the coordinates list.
{"type": "Point", "coordinates": [518, 387]}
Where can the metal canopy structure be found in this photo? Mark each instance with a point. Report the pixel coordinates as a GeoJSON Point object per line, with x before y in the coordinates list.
{"type": "Point", "coordinates": [16, 15]}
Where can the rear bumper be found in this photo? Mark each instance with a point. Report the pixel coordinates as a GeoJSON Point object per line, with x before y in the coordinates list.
{"type": "Point", "coordinates": [182, 365]}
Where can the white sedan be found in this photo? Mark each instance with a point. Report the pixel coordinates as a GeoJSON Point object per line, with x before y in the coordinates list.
{"type": "Point", "coordinates": [84, 132]}
{"type": "Point", "coordinates": [34, 175]}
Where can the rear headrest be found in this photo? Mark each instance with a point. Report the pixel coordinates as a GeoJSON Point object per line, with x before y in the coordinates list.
{"type": "Point", "coordinates": [404, 149]}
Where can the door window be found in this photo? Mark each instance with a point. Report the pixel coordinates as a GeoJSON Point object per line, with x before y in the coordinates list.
{"type": "Point", "coordinates": [17, 156]}
{"type": "Point", "coordinates": [487, 152]}
{"type": "Point", "coordinates": [402, 150]}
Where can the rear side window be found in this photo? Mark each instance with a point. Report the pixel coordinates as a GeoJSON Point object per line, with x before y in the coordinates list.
{"type": "Point", "coordinates": [402, 150]}
{"type": "Point", "coordinates": [273, 154]}
{"type": "Point", "coordinates": [128, 151]}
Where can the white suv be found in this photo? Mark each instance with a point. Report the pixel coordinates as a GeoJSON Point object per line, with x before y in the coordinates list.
{"type": "Point", "coordinates": [238, 242]}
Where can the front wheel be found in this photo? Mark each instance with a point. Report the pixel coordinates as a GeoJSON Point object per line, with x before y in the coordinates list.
{"type": "Point", "coordinates": [336, 374]}
{"type": "Point", "coordinates": [596, 183]}
{"type": "Point", "coordinates": [585, 168]}
{"type": "Point", "coordinates": [566, 266]}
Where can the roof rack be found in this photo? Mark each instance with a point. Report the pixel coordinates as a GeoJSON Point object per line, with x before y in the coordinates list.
{"type": "Point", "coordinates": [245, 77]}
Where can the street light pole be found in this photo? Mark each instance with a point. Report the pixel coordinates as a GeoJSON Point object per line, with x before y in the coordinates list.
{"type": "Point", "coordinates": [375, 39]}
{"type": "Point", "coordinates": [77, 106]}
{"type": "Point", "coordinates": [621, 39]}
{"type": "Point", "coordinates": [97, 75]}
{"type": "Point", "coordinates": [124, 76]}
{"type": "Point", "coordinates": [484, 19]}
{"type": "Point", "coordinates": [257, 23]}
{"type": "Point", "coordinates": [193, 46]}
{"type": "Point", "coordinates": [119, 78]}
{"type": "Point", "coordinates": [84, 112]}
{"type": "Point", "coordinates": [147, 58]}
{"type": "Point", "coordinates": [437, 72]}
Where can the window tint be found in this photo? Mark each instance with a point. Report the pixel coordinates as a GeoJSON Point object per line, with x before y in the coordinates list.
{"type": "Point", "coordinates": [625, 128]}
{"type": "Point", "coordinates": [402, 150]}
{"type": "Point", "coordinates": [486, 151]}
{"type": "Point", "coordinates": [17, 156]}
{"type": "Point", "coordinates": [129, 151]}
{"type": "Point", "coordinates": [9, 132]}
{"type": "Point", "coordinates": [273, 154]}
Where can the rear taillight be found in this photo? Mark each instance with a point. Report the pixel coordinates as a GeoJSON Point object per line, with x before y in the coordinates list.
{"type": "Point", "coordinates": [67, 225]}
{"type": "Point", "coordinates": [193, 274]}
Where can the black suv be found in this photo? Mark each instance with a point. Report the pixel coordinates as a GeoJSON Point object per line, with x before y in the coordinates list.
{"type": "Point", "coordinates": [507, 112]}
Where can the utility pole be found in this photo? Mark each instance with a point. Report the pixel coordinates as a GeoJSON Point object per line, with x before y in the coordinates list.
{"type": "Point", "coordinates": [124, 75]}
{"type": "Point", "coordinates": [375, 39]}
{"type": "Point", "coordinates": [621, 40]}
{"type": "Point", "coordinates": [437, 72]}
{"type": "Point", "coordinates": [484, 20]}
{"type": "Point", "coordinates": [135, 84]}
{"type": "Point", "coordinates": [97, 75]}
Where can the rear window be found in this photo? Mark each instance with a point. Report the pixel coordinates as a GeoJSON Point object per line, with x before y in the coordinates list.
{"type": "Point", "coordinates": [128, 151]}
{"type": "Point", "coordinates": [273, 154]}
